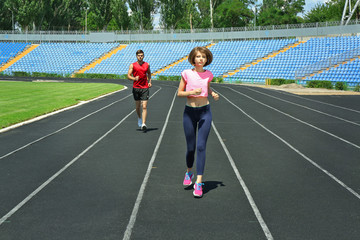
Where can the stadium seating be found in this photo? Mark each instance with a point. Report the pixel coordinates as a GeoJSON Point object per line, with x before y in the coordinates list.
{"type": "Point", "coordinates": [9, 50]}
{"type": "Point", "coordinates": [263, 58]}
{"type": "Point", "coordinates": [60, 58]}
{"type": "Point", "coordinates": [231, 55]}
{"type": "Point", "coordinates": [285, 64]}
{"type": "Point", "coordinates": [158, 55]}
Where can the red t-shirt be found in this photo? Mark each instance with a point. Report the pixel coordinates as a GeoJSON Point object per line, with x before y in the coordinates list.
{"type": "Point", "coordinates": [140, 70]}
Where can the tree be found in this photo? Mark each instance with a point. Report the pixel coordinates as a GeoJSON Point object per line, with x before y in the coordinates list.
{"type": "Point", "coordinates": [141, 17]}
{"type": "Point", "coordinates": [203, 6]}
{"type": "Point", "coordinates": [28, 13]}
{"type": "Point", "coordinates": [99, 14]}
{"type": "Point", "coordinates": [46, 14]}
{"type": "Point", "coordinates": [5, 16]}
{"type": "Point", "coordinates": [328, 11]}
{"type": "Point", "coordinates": [68, 14]}
{"type": "Point", "coordinates": [318, 14]}
{"type": "Point", "coordinates": [278, 12]}
{"type": "Point", "coordinates": [120, 15]}
{"type": "Point", "coordinates": [172, 13]}
{"type": "Point", "coordinates": [232, 13]}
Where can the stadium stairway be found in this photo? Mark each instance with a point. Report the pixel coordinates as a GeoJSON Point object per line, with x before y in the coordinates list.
{"type": "Point", "coordinates": [176, 62]}
{"type": "Point", "coordinates": [271, 55]}
{"type": "Point", "coordinates": [332, 67]}
{"type": "Point", "coordinates": [26, 51]}
{"type": "Point", "coordinates": [100, 59]}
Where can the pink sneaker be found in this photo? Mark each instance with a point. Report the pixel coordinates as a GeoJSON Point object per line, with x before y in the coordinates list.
{"type": "Point", "coordinates": [198, 192]}
{"type": "Point", "coordinates": [188, 177]}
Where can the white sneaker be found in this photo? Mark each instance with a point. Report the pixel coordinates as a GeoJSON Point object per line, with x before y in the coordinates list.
{"type": "Point", "coordinates": [139, 122]}
{"type": "Point", "coordinates": [143, 127]}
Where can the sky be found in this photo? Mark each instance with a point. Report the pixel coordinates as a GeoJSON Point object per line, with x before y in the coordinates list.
{"type": "Point", "coordinates": [309, 4]}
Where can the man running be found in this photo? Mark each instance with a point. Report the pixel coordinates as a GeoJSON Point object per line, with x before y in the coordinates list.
{"type": "Point", "coordinates": [139, 72]}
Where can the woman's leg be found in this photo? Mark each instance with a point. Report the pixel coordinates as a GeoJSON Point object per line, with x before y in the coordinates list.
{"type": "Point", "coordinates": [203, 131]}
{"type": "Point", "coordinates": [190, 135]}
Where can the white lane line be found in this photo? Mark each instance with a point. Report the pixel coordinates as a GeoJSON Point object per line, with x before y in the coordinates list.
{"type": "Point", "coordinates": [245, 188]}
{"type": "Point", "coordinates": [61, 129]}
{"type": "Point", "coordinates": [290, 116]}
{"type": "Point", "coordinates": [42, 186]}
{"type": "Point", "coordinates": [309, 99]}
{"type": "Point", "coordinates": [357, 195]}
{"type": "Point", "coordinates": [140, 195]}
{"type": "Point", "coordinates": [311, 109]}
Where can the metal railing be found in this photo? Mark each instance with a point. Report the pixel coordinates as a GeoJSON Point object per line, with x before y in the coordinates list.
{"type": "Point", "coordinates": [217, 34]}
{"type": "Point", "coordinates": [199, 30]}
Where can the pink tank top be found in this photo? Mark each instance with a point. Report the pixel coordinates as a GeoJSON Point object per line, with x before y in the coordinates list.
{"type": "Point", "coordinates": [195, 80]}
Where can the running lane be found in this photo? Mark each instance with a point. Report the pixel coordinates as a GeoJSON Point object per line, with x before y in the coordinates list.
{"type": "Point", "coordinates": [82, 182]}
{"type": "Point", "coordinates": [170, 211]}
{"type": "Point", "coordinates": [294, 171]}
{"type": "Point", "coordinates": [279, 170]}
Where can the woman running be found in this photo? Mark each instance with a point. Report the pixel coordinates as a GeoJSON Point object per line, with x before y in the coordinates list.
{"type": "Point", "coordinates": [195, 85]}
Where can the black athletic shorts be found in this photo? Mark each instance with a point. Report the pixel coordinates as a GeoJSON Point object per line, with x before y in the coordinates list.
{"type": "Point", "coordinates": [141, 94]}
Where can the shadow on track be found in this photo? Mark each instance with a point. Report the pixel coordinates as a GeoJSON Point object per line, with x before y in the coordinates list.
{"type": "Point", "coordinates": [147, 130]}
{"type": "Point", "coordinates": [208, 186]}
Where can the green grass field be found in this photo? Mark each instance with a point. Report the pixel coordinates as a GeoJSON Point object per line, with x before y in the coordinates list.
{"type": "Point", "coordinates": [20, 101]}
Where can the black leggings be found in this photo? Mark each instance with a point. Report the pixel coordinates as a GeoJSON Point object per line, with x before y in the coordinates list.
{"type": "Point", "coordinates": [198, 118]}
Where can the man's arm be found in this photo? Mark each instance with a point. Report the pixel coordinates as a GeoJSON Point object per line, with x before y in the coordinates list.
{"type": "Point", "coordinates": [149, 76]}
{"type": "Point", "coordinates": [130, 74]}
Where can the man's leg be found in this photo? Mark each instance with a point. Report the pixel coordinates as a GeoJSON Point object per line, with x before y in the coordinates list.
{"type": "Point", "coordinates": [138, 112]}
{"type": "Point", "coordinates": [144, 111]}
{"type": "Point", "coordinates": [138, 108]}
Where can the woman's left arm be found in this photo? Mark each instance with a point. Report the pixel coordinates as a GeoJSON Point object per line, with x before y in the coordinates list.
{"type": "Point", "coordinates": [213, 94]}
